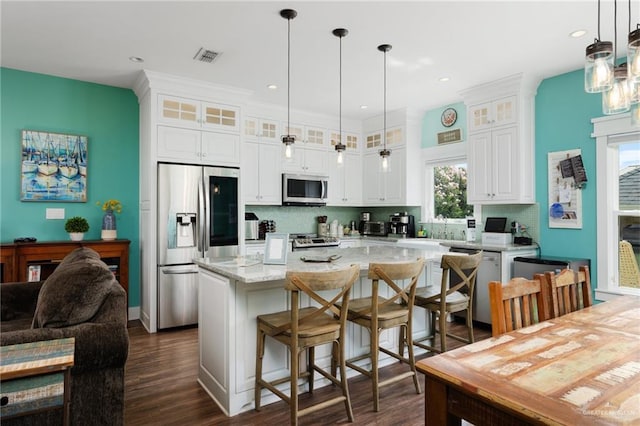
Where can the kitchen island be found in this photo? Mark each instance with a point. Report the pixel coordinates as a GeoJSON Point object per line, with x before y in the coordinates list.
{"type": "Point", "coordinates": [234, 291]}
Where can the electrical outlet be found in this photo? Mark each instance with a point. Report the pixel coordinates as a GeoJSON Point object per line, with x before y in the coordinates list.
{"type": "Point", "coordinates": [55, 214]}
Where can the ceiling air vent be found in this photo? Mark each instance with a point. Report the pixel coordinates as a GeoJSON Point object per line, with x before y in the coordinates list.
{"type": "Point", "coordinates": [205, 55]}
{"type": "Point", "coordinates": [454, 135]}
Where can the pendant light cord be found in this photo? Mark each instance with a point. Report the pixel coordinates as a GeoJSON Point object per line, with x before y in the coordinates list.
{"type": "Point", "coordinates": [340, 106]}
{"type": "Point", "coordinates": [288, 76]}
{"type": "Point", "coordinates": [615, 32]}
{"type": "Point", "coordinates": [599, 21]}
{"type": "Point", "coordinates": [384, 115]}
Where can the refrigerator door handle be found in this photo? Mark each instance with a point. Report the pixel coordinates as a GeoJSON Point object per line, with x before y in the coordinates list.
{"type": "Point", "coordinates": [201, 218]}
{"type": "Point", "coordinates": [179, 271]}
{"type": "Point", "coordinates": [207, 214]}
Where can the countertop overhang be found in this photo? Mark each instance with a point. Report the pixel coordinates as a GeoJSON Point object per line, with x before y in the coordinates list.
{"type": "Point", "coordinates": [256, 271]}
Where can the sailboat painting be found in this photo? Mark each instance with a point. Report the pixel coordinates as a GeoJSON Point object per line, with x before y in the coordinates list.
{"type": "Point", "coordinates": [54, 167]}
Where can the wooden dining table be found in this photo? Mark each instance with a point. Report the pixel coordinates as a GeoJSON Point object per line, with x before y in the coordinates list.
{"type": "Point", "coordinates": [582, 368]}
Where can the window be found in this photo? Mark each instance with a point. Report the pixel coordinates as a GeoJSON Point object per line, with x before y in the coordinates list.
{"type": "Point", "coordinates": [618, 170]}
{"type": "Point", "coordinates": [446, 184]}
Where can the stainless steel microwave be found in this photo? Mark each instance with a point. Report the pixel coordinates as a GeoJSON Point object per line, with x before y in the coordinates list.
{"type": "Point", "coordinates": [304, 190]}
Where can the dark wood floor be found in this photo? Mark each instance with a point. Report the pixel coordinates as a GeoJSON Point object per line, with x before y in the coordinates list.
{"type": "Point", "coordinates": [161, 389]}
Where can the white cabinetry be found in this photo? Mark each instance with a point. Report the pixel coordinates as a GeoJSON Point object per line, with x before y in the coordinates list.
{"type": "Point", "coordinates": [186, 112]}
{"type": "Point", "coordinates": [253, 249]}
{"type": "Point", "coordinates": [384, 188]}
{"type": "Point", "coordinates": [261, 176]}
{"type": "Point", "coordinates": [306, 160]}
{"type": "Point", "coordinates": [345, 182]}
{"type": "Point", "coordinates": [500, 145]}
{"type": "Point", "coordinates": [402, 185]}
{"type": "Point", "coordinates": [199, 147]}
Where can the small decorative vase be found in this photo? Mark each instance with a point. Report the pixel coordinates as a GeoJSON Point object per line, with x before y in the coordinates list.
{"type": "Point", "coordinates": [109, 231]}
{"type": "Point", "coordinates": [76, 236]}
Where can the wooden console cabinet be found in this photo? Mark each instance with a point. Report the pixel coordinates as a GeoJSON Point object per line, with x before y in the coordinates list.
{"type": "Point", "coordinates": [15, 259]}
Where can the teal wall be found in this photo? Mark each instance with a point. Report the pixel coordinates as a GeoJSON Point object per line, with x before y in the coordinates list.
{"type": "Point", "coordinates": [108, 116]}
{"type": "Point", "coordinates": [563, 122]}
{"type": "Point", "coordinates": [431, 124]}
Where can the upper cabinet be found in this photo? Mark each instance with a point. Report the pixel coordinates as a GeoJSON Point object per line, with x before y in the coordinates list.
{"type": "Point", "coordinates": [186, 112]}
{"type": "Point", "coordinates": [499, 112]}
{"type": "Point", "coordinates": [198, 147]}
{"type": "Point", "coordinates": [261, 129]}
{"type": "Point", "coordinates": [500, 142]}
{"type": "Point", "coordinates": [345, 182]}
{"type": "Point", "coordinates": [402, 185]}
{"type": "Point", "coordinates": [310, 154]}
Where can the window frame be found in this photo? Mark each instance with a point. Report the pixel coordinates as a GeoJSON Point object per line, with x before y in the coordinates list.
{"type": "Point", "coordinates": [609, 132]}
{"type": "Point", "coordinates": [441, 155]}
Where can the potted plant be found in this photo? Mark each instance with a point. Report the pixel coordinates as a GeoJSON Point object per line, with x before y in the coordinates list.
{"type": "Point", "coordinates": [76, 227]}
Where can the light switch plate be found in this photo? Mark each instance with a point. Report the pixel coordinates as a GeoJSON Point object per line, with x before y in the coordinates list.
{"type": "Point", "coordinates": [55, 214]}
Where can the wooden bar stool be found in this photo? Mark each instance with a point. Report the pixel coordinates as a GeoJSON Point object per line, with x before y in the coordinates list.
{"type": "Point", "coordinates": [302, 329]}
{"type": "Point", "coordinates": [448, 298]}
{"type": "Point", "coordinates": [376, 313]}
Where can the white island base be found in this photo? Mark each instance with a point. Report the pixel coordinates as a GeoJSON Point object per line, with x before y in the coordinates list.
{"type": "Point", "coordinates": [232, 296]}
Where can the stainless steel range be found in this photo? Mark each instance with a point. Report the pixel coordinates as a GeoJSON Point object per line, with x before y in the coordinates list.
{"type": "Point", "coordinates": [310, 241]}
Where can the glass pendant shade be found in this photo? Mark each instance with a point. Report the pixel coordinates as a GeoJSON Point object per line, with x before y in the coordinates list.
{"type": "Point", "coordinates": [633, 56]}
{"type": "Point", "coordinates": [288, 141]}
{"type": "Point", "coordinates": [616, 99]}
{"type": "Point", "coordinates": [634, 91]}
{"type": "Point", "coordinates": [598, 68]}
{"type": "Point", "coordinates": [385, 161]}
{"type": "Point", "coordinates": [340, 159]}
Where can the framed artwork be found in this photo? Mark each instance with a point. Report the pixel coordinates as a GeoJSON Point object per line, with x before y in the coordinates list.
{"type": "Point", "coordinates": [53, 167]}
{"type": "Point", "coordinates": [275, 251]}
{"type": "Point", "coordinates": [566, 178]}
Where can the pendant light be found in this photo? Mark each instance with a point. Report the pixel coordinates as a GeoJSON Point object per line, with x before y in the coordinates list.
{"type": "Point", "coordinates": [288, 140]}
{"type": "Point", "coordinates": [599, 64]}
{"type": "Point", "coordinates": [384, 153]}
{"type": "Point", "coordinates": [615, 100]}
{"type": "Point", "coordinates": [340, 147]}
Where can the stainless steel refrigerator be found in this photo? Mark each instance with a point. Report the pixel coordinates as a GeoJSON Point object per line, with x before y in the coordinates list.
{"type": "Point", "coordinates": [197, 217]}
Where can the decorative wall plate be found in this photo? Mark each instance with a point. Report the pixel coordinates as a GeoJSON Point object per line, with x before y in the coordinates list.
{"type": "Point", "coordinates": [449, 117]}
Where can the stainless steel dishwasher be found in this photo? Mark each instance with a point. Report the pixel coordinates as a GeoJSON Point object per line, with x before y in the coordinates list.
{"type": "Point", "coordinates": [490, 269]}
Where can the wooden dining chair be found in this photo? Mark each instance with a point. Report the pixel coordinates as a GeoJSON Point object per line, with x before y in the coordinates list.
{"type": "Point", "coordinates": [518, 303]}
{"type": "Point", "coordinates": [305, 328]}
{"type": "Point", "coordinates": [444, 299]}
{"type": "Point", "coordinates": [569, 290]}
{"type": "Point", "coordinates": [377, 313]}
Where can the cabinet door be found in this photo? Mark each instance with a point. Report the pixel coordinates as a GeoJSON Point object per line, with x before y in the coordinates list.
{"type": "Point", "coordinates": [479, 167]}
{"type": "Point", "coordinates": [504, 111]}
{"type": "Point", "coordinates": [394, 180]}
{"type": "Point", "coordinates": [261, 175]}
{"type": "Point", "coordinates": [372, 181]}
{"type": "Point", "coordinates": [222, 117]}
{"type": "Point", "coordinates": [179, 144]}
{"type": "Point", "coordinates": [479, 117]}
{"type": "Point", "coordinates": [345, 183]}
{"type": "Point", "coordinates": [178, 111]}
{"type": "Point", "coordinates": [316, 162]}
{"type": "Point", "coordinates": [504, 158]}
{"type": "Point", "coordinates": [250, 175]}
{"type": "Point", "coordinates": [352, 179]}
{"type": "Point", "coordinates": [220, 148]}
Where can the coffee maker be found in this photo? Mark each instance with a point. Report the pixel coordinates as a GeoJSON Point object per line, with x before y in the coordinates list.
{"type": "Point", "coordinates": [364, 217]}
{"type": "Point", "coordinates": [402, 225]}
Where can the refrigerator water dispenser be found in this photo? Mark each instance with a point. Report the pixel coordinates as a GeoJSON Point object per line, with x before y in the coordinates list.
{"type": "Point", "coordinates": [186, 225]}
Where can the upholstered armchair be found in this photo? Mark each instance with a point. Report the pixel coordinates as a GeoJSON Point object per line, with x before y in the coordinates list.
{"type": "Point", "coordinates": [81, 299]}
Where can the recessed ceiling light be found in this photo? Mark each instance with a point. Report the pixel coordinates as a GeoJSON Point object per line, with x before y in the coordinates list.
{"type": "Point", "coordinates": [364, 106]}
{"type": "Point", "coordinates": [443, 79]}
{"type": "Point", "coordinates": [577, 33]}
{"type": "Point", "coordinates": [272, 87]}
{"type": "Point", "coordinates": [136, 59]}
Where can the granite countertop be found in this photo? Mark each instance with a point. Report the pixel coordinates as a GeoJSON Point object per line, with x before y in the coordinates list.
{"type": "Point", "coordinates": [255, 271]}
{"type": "Point", "coordinates": [477, 245]}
